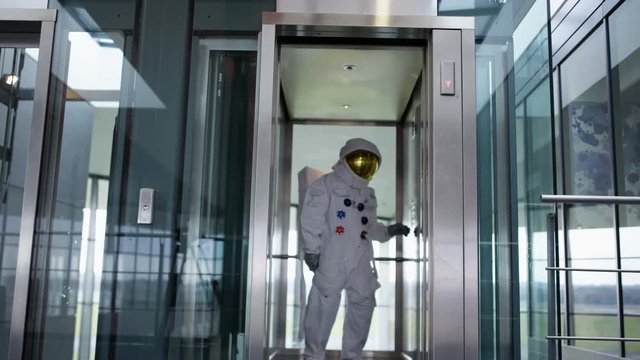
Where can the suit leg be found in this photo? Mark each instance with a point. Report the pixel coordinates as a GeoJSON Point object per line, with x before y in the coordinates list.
{"type": "Point", "coordinates": [356, 324]}
{"type": "Point", "coordinates": [361, 287]}
{"type": "Point", "coordinates": [319, 318]}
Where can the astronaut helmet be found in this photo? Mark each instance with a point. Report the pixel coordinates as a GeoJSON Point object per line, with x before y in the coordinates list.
{"type": "Point", "coordinates": [362, 157]}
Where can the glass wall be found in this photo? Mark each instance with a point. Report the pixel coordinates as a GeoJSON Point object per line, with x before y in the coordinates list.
{"type": "Point", "coordinates": [598, 86]}
{"type": "Point", "coordinates": [146, 96]}
{"type": "Point", "coordinates": [625, 88]}
{"type": "Point", "coordinates": [588, 158]}
{"type": "Point", "coordinates": [587, 146]}
{"type": "Point", "coordinates": [535, 177]}
{"type": "Point", "coordinates": [17, 84]}
{"type": "Point", "coordinates": [515, 166]}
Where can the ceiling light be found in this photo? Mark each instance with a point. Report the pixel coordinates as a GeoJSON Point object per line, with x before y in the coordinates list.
{"type": "Point", "coordinates": [350, 67]}
{"type": "Point", "coordinates": [346, 106]}
{"type": "Point", "coordinates": [10, 79]}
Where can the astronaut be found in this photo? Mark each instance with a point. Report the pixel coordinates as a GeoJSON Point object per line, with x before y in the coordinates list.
{"type": "Point", "coordinates": [338, 221]}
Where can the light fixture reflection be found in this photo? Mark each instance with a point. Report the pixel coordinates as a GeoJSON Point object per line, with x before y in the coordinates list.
{"type": "Point", "coordinates": [10, 79]}
{"type": "Point", "coordinates": [346, 106]}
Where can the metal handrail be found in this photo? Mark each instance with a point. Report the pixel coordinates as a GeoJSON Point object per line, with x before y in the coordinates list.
{"type": "Point", "coordinates": [590, 199]}
{"type": "Point", "coordinates": [554, 268]}
{"type": "Point", "coordinates": [553, 330]}
{"type": "Point", "coordinates": [593, 338]}
{"type": "Point", "coordinates": [377, 258]}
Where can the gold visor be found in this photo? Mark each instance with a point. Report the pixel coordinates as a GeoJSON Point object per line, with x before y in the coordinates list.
{"type": "Point", "coordinates": [363, 163]}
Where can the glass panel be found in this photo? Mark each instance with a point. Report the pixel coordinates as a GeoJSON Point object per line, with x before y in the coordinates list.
{"type": "Point", "coordinates": [514, 152]}
{"type": "Point", "coordinates": [589, 171]}
{"type": "Point", "coordinates": [555, 5]}
{"type": "Point", "coordinates": [17, 84]}
{"type": "Point", "coordinates": [382, 330]}
{"type": "Point", "coordinates": [523, 247]}
{"type": "Point", "coordinates": [219, 198]}
{"type": "Point", "coordinates": [534, 148]}
{"type": "Point", "coordinates": [625, 67]}
{"type": "Point", "coordinates": [413, 246]}
{"type": "Point", "coordinates": [128, 115]}
{"type": "Point", "coordinates": [70, 243]}
{"type": "Point", "coordinates": [486, 201]}
{"type": "Point", "coordinates": [531, 142]}
{"type": "Point", "coordinates": [411, 305]}
{"type": "Point", "coordinates": [299, 280]}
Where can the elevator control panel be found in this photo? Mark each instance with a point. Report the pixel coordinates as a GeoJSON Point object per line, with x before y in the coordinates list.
{"type": "Point", "coordinates": [145, 206]}
{"type": "Point", "coordinates": [447, 77]}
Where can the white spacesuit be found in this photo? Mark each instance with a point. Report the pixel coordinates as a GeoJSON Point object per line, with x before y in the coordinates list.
{"type": "Point", "coordinates": [338, 221]}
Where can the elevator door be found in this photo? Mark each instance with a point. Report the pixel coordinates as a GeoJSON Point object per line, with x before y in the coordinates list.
{"type": "Point", "coordinates": [435, 309]}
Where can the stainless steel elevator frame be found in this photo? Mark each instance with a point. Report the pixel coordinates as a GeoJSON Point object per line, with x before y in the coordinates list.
{"type": "Point", "coordinates": [450, 168]}
{"type": "Point", "coordinates": [42, 23]}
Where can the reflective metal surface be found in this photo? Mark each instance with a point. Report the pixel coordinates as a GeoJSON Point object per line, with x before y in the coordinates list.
{"type": "Point", "coordinates": [446, 206]}
{"type": "Point", "coordinates": [32, 176]}
{"type": "Point", "coordinates": [259, 231]}
{"type": "Point", "coordinates": [470, 204]}
{"type": "Point", "coordinates": [378, 22]}
{"type": "Point", "coordinates": [449, 298]}
{"type": "Point", "coordinates": [589, 199]}
{"type": "Point", "coordinates": [382, 8]}
{"type": "Point", "coordinates": [27, 14]}
{"type": "Point", "coordinates": [27, 4]}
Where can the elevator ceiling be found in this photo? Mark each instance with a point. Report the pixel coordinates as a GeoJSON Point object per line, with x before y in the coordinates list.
{"type": "Point", "coordinates": [348, 83]}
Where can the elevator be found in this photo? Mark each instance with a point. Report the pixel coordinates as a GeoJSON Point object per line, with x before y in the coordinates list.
{"type": "Point", "coordinates": [407, 83]}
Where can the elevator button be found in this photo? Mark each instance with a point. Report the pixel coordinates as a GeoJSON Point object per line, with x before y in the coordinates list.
{"type": "Point", "coordinates": [447, 77]}
{"type": "Point", "coordinates": [145, 206]}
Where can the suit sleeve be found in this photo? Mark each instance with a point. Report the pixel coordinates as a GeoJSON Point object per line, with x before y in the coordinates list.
{"type": "Point", "coordinates": [313, 221]}
{"type": "Point", "coordinates": [377, 231]}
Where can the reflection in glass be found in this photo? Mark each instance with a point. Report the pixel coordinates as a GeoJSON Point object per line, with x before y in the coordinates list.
{"type": "Point", "coordinates": [587, 128]}
{"type": "Point", "coordinates": [589, 171]}
{"type": "Point", "coordinates": [17, 83]}
{"type": "Point", "coordinates": [625, 67]}
{"type": "Point", "coordinates": [70, 243]}
{"type": "Point", "coordinates": [414, 245]}
{"type": "Point", "coordinates": [534, 151]}
{"type": "Point", "coordinates": [210, 276]}
{"type": "Point", "coordinates": [107, 286]}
